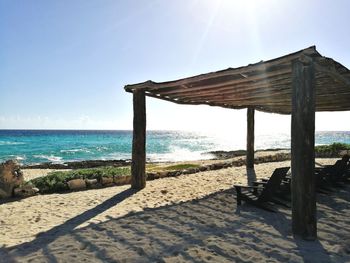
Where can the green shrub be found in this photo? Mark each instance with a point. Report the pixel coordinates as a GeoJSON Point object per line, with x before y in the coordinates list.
{"type": "Point", "coordinates": [168, 168]}
{"type": "Point", "coordinates": [56, 181]}
{"type": "Point", "coordinates": [332, 149]}
{"type": "Point", "coordinates": [180, 167]}
{"type": "Point", "coordinates": [97, 173]}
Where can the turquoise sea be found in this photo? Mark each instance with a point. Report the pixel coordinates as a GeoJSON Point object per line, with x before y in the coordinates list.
{"type": "Point", "coordinates": [36, 146]}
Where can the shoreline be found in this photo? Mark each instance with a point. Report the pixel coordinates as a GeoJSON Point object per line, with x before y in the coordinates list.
{"type": "Point", "coordinates": [161, 171]}
{"type": "Point", "coordinates": [219, 155]}
{"type": "Point", "coordinates": [154, 170]}
{"type": "Point", "coordinates": [79, 164]}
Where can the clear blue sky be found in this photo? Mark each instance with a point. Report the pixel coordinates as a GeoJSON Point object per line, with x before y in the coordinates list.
{"type": "Point", "coordinates": [63, 64]}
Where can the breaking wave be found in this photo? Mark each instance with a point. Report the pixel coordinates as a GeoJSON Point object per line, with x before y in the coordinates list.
{"type": "Point", "coordinates": [10, 143]}
{"type": "Point", "coordinates": [51, 158]}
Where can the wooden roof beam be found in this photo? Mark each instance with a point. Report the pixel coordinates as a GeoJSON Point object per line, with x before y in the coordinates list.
{"type": "Point", "coordinates": [241, 70]}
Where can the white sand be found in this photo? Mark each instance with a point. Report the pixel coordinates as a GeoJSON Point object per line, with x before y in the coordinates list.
{"type": "Point", "coordinates": [190, 218]}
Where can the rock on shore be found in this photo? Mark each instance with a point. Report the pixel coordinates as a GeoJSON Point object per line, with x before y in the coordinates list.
{"type": "Point", "coordinates": [10, 177]}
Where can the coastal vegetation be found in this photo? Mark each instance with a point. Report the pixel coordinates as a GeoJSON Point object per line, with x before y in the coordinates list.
{"type": "Point", "coordinates": [332, 150]}
{"type": "Point", "coordinates": [57, 181]}
{"type": "Point", "coordinates": [173, 167]}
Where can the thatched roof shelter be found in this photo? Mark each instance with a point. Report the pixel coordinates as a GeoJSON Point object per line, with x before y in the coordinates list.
{"type": "Point", "coordinates": [266, 85]}
{"type": "Point", "coordinates": [299, 84]}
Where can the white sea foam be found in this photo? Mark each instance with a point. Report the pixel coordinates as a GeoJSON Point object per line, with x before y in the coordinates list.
{"type": "Point", "coordinates": [101, 148]}
{"type": "Point", "coordinates": [75, 150]}
{"type": "Point", "coordinates": [10, 143]}
{"type": "Point", "coordinates": [179, 154]}
{"type": "Point", "coordinates": [17, 157]}
{"type": "Point", "coordinates": [176, 154]}
{"type": "Point", "coordinates": [116, 156]}
{"type": "Point", "coordinates": [51, 158]}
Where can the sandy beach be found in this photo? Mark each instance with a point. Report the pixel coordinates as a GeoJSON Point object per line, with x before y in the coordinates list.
{"type": "Point", "coordinates": [174, 131]}
{"type": "Point", "coordinates": [190, 218]}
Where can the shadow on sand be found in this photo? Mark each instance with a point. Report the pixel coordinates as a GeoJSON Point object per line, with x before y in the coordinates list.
{"type": "Point", "coordinates": [202, 230]}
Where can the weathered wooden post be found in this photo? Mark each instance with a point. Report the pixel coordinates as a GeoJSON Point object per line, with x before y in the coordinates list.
{"type": "Point", "coordinates": [250, 138]}
{"type": "Point", "coordinates": [304, 221]}
{"type": "Point", "coordinates": [138, 165]}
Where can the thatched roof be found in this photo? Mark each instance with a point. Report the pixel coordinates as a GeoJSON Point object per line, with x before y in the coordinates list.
{"type": "Point", "coordinates": [266, 85]}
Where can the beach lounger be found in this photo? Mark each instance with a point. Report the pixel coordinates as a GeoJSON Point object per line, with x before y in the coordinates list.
{"type": "Point", "coordinates": [337, 174]}
{"type": "Point", "coordinates": [261, 196]}
{"type": "Point", "coordinates": [282, 194]}
{"type": "Point", "coordinates": [322, 187]}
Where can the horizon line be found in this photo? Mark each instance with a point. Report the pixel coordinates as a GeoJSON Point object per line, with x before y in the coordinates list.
{"type": "Point", "coordinates": [38, 129]}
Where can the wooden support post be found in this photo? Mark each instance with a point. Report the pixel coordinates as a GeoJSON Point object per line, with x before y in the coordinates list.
{"type": "Point", "coordinates": [304, 221]}
{"type": "Point", "coordinates": [250, 138]}
{"type": "Point", "coordinates": [138, 166]}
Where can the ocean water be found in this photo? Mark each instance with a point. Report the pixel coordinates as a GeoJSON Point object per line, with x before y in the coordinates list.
{"type": "Point", "coordinates": [36, 146]}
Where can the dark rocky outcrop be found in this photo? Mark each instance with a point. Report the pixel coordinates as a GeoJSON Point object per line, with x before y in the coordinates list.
{"type": "Point", "coordinates": [78, 164]}
{"type": "Point", "coordinates": [237, 153]}
{"type": "Point", "coordinates": [227, 154]}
